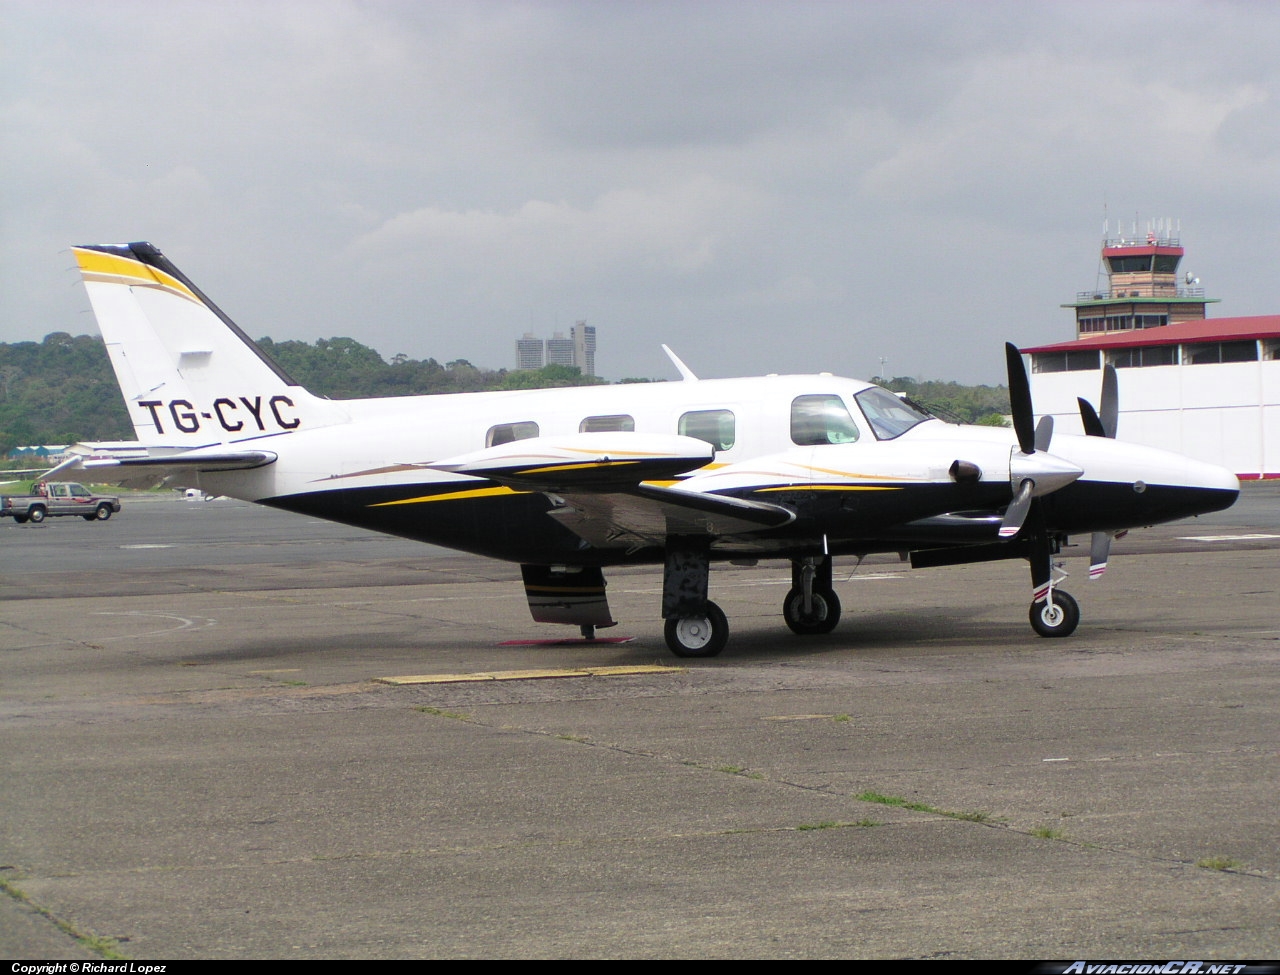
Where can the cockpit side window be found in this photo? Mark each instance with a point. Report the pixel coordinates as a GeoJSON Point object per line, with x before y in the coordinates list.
{"type": "Point", "coordinates": [821, 419]}
{"type": "Point", "coordinates": [888, 415]}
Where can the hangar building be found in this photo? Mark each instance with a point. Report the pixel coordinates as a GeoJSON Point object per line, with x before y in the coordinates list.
{"type": "Point", "coordinates": [1205, 387]}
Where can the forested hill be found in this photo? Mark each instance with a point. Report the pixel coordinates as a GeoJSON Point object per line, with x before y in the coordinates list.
{"type": "Point", "coordinates": [62, 390]}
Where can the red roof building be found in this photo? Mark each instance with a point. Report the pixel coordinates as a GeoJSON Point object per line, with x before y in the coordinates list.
{"type": "Point", "coordinates": [1205, 387]}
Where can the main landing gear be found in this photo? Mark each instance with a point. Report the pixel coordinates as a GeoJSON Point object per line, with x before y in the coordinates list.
{"type": "Point", "coordinates": [696, 627]}
{"type": "Point", "coordinates": [811, 606]}
{"type": "Point", "coordinates": [698, 636]}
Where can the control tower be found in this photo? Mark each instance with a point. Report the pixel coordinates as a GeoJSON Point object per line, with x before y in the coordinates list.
{"type": "Point", "coordinates": [1142, 288]}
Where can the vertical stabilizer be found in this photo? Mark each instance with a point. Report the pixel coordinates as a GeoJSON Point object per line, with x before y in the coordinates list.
{"type": "Point", "coordinates": [189, 375]}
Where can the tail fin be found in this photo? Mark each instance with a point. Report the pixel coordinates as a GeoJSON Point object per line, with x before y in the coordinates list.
{"type": "Point", "coordinates": [189, 375]}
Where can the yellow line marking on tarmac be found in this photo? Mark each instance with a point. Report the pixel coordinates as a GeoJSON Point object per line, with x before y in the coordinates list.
{"type": "Point", "coordinates": [625, 670]}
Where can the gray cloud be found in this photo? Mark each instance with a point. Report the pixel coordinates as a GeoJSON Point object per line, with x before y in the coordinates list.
{"type": "Point", "coordinates": [765, 186]}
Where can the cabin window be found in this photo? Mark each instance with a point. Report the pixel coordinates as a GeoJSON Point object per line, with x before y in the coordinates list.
{"type": "Point", "coordinates": [821, 419]}
{"type": "Point", "coordinates": [889, 415]}
{"type": "Point", "coordinates": [508, 432]}
{"type": "Point", "coordinates": [607, 424]}
{"type": "Point", "coordinates": [716, 427]}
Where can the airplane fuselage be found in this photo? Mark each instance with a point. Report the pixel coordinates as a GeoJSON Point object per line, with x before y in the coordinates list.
{"type": "Point", "coordinates": [564, 481]}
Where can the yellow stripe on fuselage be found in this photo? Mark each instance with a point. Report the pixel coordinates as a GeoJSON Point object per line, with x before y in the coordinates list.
{"type": "Point", "coordinates": [489, 492]}
{"type": "Point", "coordinates": [114, 269]}
{"type": "Point", "coordinates": [828, 487]}
{"type": "Point", "coordinates": [555, 468]}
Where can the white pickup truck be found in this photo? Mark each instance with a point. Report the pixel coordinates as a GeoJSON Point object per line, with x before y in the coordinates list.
{"type": "Point", "coordinates": [51, 500]}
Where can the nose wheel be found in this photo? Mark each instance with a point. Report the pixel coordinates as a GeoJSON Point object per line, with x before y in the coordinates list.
{"type": "Point", "coordinates": [1056, 615]}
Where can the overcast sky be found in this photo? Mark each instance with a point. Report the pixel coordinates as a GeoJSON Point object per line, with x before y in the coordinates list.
{"type": "Point", "coordinates": [765, 186]}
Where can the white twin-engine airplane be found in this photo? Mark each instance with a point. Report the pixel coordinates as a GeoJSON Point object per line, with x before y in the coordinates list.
{"type": "Point", "coordinates": [567, 481]}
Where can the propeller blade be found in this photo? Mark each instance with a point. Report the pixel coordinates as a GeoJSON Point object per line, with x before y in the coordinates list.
{"type": "Point", "coordinates": [1110, 404]}
{"type": "Point", "coordinates": [1020, 398]}
{"type": "Point", "coordinates": [1099, 551]}
{"type": "Point", "coordinates": [1090, 420]}
{"type": "Point", "coordinates": [1016, 513]}
{"type": "Point", "coordinates": [1044, 432]}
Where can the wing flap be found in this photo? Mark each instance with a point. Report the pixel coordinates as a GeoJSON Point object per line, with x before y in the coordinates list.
{"type": "Point", "coordinates": [648, 515]}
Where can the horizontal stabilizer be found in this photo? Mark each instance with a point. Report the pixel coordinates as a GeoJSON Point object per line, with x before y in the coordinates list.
{"type": "Point", "coordinates": [139, 472]}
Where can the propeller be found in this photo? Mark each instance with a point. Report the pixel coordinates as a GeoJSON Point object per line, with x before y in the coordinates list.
{"type": "Point", "coordinates": [1101, 424]}
{"type": "Point", "coordinates": [1033, 470]}
{"type": "Point", "coordinates": [1020, 398]}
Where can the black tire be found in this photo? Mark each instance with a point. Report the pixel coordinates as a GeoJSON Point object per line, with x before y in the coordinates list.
{"type": "Point", "coordinates": [823, 618]}
{"type": "Point", "coordinates": [36, 514]}
{"type": "Point", "coordinates": [698, 636]}
{"type": "Point", "coordinates": [103, 512]}
{"type": "Point", "coordinates": [1057, 618]}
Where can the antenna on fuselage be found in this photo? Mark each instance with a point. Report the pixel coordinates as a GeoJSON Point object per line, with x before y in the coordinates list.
{"type": "Point", "coordinates": [685, 372]}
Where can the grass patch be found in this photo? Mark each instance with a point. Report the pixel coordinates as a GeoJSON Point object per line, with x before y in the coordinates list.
{"type": "Point", "coordinates": [442, 713]}
{"type": "Point", "coordinates": [107, 948]}
{"type": "Point", "coordinates": [974, 816]}
{"type": "Point", "coordinates": [1048, 833]}
{"type": "Point", "coordinates": [1219, 863]}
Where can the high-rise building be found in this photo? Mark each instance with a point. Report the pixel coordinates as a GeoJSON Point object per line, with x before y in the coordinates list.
{"type": "Point", "coordinates": [579, 349]}
{"type": "Point", "coordinates": [560, 350]}
{"type": "Point", "coordinates": [529, 352]}
{"type": "Point", "coordinates": [584, 347]}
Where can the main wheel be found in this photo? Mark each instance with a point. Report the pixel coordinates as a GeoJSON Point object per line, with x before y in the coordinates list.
{"type": "Point", "coordinates": [823, 615]}
{"type": "Point", "coordinates": [36, 514]}
{"type": "Point", "coordinates": [698, 636]}
{"type": "Point", "coordinates": [103, 512]}
{"type": "Point", "coordinates": [1059, 615]}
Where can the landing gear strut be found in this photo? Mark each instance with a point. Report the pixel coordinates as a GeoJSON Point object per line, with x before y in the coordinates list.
{"type": "Point", "coordinates": [695, 626]}
{"type": "Point", "coordinates": [811, 606]}
{"type": "Point", "coordinates": [1053, 612]}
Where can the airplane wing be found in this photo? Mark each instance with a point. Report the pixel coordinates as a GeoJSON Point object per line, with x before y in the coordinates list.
{"type": "Point", "coordinates": [597, 483]}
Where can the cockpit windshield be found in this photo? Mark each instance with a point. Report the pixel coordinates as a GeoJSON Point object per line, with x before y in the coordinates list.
{"type": "Point", "coordinates": [888, 415]}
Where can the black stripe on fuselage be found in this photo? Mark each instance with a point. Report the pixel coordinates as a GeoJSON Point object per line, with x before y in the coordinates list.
{"type": "Point", "coordinates": [486, 519]}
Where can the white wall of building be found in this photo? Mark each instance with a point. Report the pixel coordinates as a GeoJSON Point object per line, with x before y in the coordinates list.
{"type": "Point", "coordinates": [1225, 413]}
